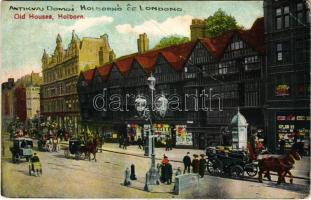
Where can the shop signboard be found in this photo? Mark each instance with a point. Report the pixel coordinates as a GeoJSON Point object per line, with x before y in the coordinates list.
{"type": "Point", "coordinates": [182, 136]}
{"type": "Point", "coordinates": [282, 90]}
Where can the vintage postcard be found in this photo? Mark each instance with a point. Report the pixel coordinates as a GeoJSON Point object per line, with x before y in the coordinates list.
{"type": "Point", "coordinates": [155, 99]}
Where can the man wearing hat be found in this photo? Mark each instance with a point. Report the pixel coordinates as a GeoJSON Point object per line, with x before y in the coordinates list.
{"type": "Point", "coordinates": [187, 162]}
{"type": "Point", "coordinates": [202, 166]}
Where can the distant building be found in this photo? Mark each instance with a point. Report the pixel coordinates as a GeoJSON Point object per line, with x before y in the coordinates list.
{"type": "Point", "coordinates": [59, 100]}
{"type": "Point", "coordinates": [7, 103]}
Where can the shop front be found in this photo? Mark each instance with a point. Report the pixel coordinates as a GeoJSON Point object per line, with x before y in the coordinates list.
{"type": "Point", "coordinates": [133, 132]}
{"type": "Point", "coordinates": [162, 134]}
{"type": "Point", "coordinates": [293, 127]}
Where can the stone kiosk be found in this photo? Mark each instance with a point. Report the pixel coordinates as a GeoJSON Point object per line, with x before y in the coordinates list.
{"type": "Point", "coordinates": [239, 131]}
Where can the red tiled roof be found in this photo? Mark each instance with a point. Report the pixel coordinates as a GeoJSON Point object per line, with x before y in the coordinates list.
{"type": "Point", "coordinates": [124, 65]}
{"type": "Point", "coordinates": [105, 70]}
{"type": "Point", "coordinates": [218, 44]}
{"type": "Point", "coordinates": [177, 55]}
{"type": "Point", "coordinates": [88, 75]}
{"type": "Point", "coordinates": [255, 36]}
{"type": "Point", "coordinates": [147, 60]}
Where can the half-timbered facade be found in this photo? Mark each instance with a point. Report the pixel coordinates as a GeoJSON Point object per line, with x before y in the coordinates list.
{"type": "Point", "coordinates": [205, 82]}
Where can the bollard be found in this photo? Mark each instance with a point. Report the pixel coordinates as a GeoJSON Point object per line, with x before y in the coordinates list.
{"type": "Point", "coordinates": [133, 176]}
{"type": "Point", "coordinates": [146, 188]}
{"type": "Point", "coordinates": [127, 181]}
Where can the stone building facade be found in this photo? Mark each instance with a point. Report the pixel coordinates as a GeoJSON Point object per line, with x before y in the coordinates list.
{"type": "Point", "coordinates": [7, 103]}
{"type": "Point", "coordinates": [59, 101]}
{"type": "Point", "coordinates": [287, 80]}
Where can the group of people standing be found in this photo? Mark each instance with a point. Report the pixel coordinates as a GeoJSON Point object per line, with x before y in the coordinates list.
{"type": "Point", "coordinates": [198, 165]}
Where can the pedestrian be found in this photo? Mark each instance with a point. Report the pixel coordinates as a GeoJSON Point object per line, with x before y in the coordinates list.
{"type": "Point", "coordinates": [167, 144]}
{"type": "Point", "coordinates": [195, 164]}
{"type": "Point", "coordinates": [125, 143]}
{"type": "Point", "coordinates": [202, 166]}
{"type": "Point", "coordinates": [282, 146]}
{"type": "Point", "coordinates": [171, 143]}
{"type": "Point", "coordinates": [187, 162]}
{"type": "Point", "coordinates": [120, 141]}
{"type": "Point", "coordinates": [139, 142]}
{"type": "Point", "coordinates": [168, 173]}
{"type": "Point", "coordinates": [164, 160]}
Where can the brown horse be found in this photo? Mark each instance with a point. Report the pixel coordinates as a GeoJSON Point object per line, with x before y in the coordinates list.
{"type": "Point", "coordinates": [91, 148]}
{"type": "Point", "coordinates": [280, 164]}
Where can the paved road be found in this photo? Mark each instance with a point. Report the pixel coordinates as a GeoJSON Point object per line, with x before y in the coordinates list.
{"type": "Point", "coordinates": [103, 179]}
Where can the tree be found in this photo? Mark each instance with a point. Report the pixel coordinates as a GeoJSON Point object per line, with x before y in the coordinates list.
{"type": "Point", "coordinates": [171, 40]}
{"type": "Point", "coordinates": [219, 23]}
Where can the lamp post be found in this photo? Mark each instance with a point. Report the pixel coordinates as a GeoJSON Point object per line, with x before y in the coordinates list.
{"type": "Point", "coordinates": [147, 113]}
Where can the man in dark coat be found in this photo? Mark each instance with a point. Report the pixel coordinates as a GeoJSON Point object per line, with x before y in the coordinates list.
{"type": "Point", "coordinates": [125, 142]}
{"type": "Point", "coordinates": [139, 142]}
{"type": "Point", "coordinates": [120, 141]}
{"type": "Point", "coordinates": [202, 166]}
{"type": "Point", "coordinates": [195, 164]}
{"type": "Point", "coordinates": [168, 173]}
{"type": "Point", "coordinates": [187, 162]}
{"type": "Point", "coordinates": [167, 144]}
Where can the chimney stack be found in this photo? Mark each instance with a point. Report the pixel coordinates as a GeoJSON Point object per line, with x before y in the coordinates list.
{"type": "Point", "coordinates": [142, 43]}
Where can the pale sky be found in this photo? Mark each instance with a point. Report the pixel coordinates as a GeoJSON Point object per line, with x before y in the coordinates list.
{"type": "Point", "coordinates": [23, 40]}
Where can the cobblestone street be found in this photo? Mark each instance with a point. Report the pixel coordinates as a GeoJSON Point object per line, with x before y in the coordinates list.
{"type": "Point", "coordinates": [104, 179]}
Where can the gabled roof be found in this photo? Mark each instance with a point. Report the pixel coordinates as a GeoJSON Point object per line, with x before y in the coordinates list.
{"type": "Point", "coordinates": [217, 45]}
{"type": "Point", "coordinates": [147, 60]}
{"type": "Point", "coordinates": [124, 65]}
{"type": "Point", "coordinates": [177, 55]}
{"type": "Point", "coordinates": [255, 36]}
{"type": "Point", "coordinates": [88, 75]}
{"type": "Point", "coordinates": [105, 70]}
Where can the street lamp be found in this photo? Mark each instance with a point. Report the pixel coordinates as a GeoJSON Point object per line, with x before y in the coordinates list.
{"type": "Point", "coordinates": [152, 176]}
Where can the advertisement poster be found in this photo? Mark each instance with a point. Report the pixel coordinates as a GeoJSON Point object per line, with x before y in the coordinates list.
{"type": "Point", "coordinates": [141, 99]}
{"type": "Point", "coordinates": [182, 137]}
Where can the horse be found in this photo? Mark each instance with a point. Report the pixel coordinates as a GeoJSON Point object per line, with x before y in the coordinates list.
{"type": "Point", "coordinates": [280, 164]}
{"type": "Point", "coordinates": [91, 148]}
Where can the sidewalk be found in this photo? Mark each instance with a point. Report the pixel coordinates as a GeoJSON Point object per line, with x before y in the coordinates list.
{"type": "Point", "coordinates": [175, 155]}
{"type": "Point", "coordinates": [301, 170]}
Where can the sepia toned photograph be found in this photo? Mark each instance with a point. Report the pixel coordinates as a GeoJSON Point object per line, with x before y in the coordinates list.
{"type": "Point", "coordinates": [155, 99]}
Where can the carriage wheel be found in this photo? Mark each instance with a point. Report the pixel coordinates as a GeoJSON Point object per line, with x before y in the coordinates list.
{"type": "Point", "coordinates": [236, 171]}
{"type": "Point", "coordinates": [66, 153]}
{"type": "Point", "coordinates": [82, 155]}
{"type": "Point", "coordinates": [252, 173]}
{"type": "Point", "coordinates": [214, 167]}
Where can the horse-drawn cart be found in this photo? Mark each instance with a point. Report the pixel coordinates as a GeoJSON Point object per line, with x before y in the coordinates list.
{"type": "Point", "coordinates": [230, 163]}
{"type": "Point", "coordinates": [75, 148]}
